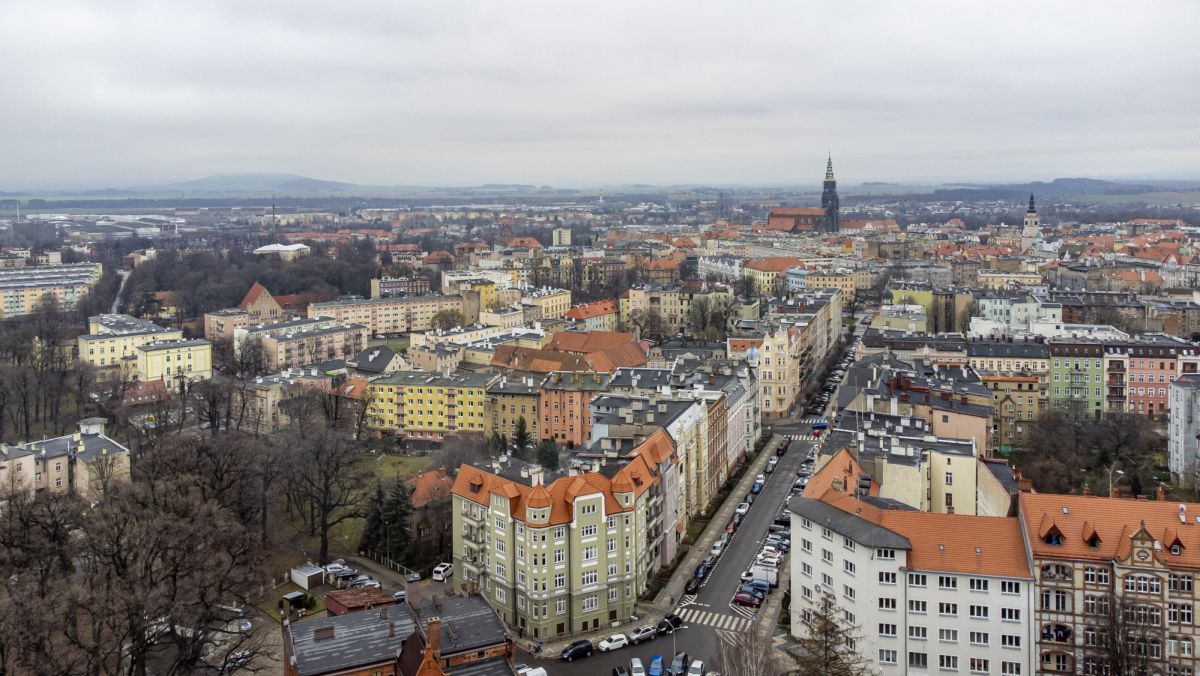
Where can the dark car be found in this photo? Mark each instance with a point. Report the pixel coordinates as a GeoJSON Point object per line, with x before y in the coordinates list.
{"type": "Point", "coordinates": [581, 648]}
{"type": "Point", "coordinates": [679, 665]}
{"type": "Point", "coordinates": [669, 623]}
{"type": "Point", "coordinates": [701, 571]}
{"type": "Point", "coordinates": [620, 671]}
{"type": "Point", "coordinates": [782, 448]}
{"type": "Point", "coordinates": [693, 585]}
{"type": "Point", "coordinates": [756, 488]}
{"type": "Point", "coordinates": [752, 590]}
{"type": "Point", "coordinates": [731, 527]}
{"type": "Point", "coordinates": [744, 599]}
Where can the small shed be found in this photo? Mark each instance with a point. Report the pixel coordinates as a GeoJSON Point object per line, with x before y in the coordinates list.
{"type": "Point", "coordinates": [353, 600]}
{"type": "Point", "coordinates": [307, 576]}
{"type": "Point", "coordinates": [294, 600]}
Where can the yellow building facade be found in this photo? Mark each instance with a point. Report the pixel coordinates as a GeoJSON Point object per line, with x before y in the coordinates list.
{"type": "Point", "coordinates": [169, 361]}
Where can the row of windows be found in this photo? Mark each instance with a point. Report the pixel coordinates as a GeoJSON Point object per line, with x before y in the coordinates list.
{"type": "Point", "coordinates": [976, 665]}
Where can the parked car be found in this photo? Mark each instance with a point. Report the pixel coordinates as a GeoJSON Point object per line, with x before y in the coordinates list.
{"type": "Point", "coordinates": [743, 599]}
{"type": "Point", "coordinates": [679, 664]}
{"type": "Point", "coordinates": [576, 650]}
{"type": "Point", "coordinates": [782, 448]}
{"type": "Point", "coordinates": [636, 668]}
{"type": "Point", "coordinates": [693, 585]}
{"type": "Point", "coordinates": [756, 585]}
{"type": "Point", "coordinates": [756, 488]}
{"type": "Point", "coordinates": [346, 574]}
{"type": "Point", "coordinates": [656, 666]}
{"type": "Point", "coordinates": [620, 670]}
{"type": "Point", "coordinates": [717, 548]}
{"type": "Point", "coordinates": [443, 571]}
{"type": "Point", "coordinates": [642, 632]}
{"type": "Point", "coordinates": [742, 508]}
{"type": "Point", "coordinates": [412, 576]}
{"type": "Point", "coordinates": [701, 570]}
{"type": "Point", "coordinates": [749, 498]}
{"type": "Point", "coordinates": [697, 668]}
{"type": "Point", "coordinates": [731, 527]}
{"type": "Point", "coordinates": [760, 479]}
{"type": "Point", "coordinates": [613, 642]}
{"type": "Point", "coordinates": [669, 623]}
{"type": "Point", "coordinates": [400, 596]}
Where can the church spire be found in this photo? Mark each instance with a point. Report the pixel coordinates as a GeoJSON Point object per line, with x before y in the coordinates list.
{"type": "Point", "coordinates": [1032, 209]}
{"type": "Point", "coordinates": [829, 168]}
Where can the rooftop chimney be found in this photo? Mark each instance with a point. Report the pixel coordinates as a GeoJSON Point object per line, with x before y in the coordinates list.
{"type": "Point", "coordinates": [433, 634]}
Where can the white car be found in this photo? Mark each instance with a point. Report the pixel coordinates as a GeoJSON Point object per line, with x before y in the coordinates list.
{"type": "Point", "coordinates": [717, 548]}
{"type": "Point", "coordinates": [443, 571]}
{"type": "Point", "coordinates": [769, 560]}
{"type": "Point", "coordinates": [742, 508]}
{"type": "Point", "coordinates": [636, 668]}
{"type": "Point", "coordinates": [613, 642]}
{"type": "Point", "coordinates": [760, 479]}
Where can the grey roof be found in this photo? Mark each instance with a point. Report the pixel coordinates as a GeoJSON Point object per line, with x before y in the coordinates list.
{"type": "Point", "coordinates": [468, 624]}
{"type": "Point", "coordinates": [374, 359]}
{"type": "Point", "coordinates": [646, 378]}
{"type": "Point", "coordinates": [172, 344]}
{"type": "Point", "coordinates": [1003, 474]}
{"type": "Point", "coordinates": [359, 639]}
{"type": "Point", "coordinates": [852, 526]}
{"type": "Point", "coordinates": [1015, 350]}
{"type": "Point", "coordinates": [86, 448]}
{"type": "Point", "coordinates": [1188, 380]}
{"type": "Point", "coordinates": [123, 325]}
{"type": "Point", "coordinates": [497, 666]}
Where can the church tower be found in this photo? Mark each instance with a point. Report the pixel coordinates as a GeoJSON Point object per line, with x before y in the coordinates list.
{"type": "Point", "coordinates": [1032, 232]}
{"type": "Point", "coordinates": [829, 200]}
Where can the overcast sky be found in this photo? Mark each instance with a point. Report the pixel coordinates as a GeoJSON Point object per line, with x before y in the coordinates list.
{"type": "Point", "coordinates": [119, 92]}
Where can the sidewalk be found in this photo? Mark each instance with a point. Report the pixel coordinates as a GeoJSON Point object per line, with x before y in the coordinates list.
{"type": "Point", "coordinates": [672, 592]}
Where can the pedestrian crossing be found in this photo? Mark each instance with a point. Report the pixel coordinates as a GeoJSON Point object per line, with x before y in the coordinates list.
{"type": "Point", "coordinates": [745, 611]}
{"type": "Point", "coordinates": [716, 620]}
{"type": "Point", "coordinates": [800, 437]}
{"type": "Point", "coordinates": [813, 421]}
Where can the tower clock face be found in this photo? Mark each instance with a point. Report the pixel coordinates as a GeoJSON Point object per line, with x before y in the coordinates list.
{"type": "Point", "coordinates": [1143, 554]}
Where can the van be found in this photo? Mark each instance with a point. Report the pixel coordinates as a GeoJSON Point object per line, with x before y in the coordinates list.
{"type": "Point", "coordinates": [442, 572]}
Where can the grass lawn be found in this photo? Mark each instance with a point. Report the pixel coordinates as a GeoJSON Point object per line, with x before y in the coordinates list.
{"type": "Point", "coordinates": [389, 467]}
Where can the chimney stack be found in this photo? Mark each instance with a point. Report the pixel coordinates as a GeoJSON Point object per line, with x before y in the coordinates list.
{"type": "Point", "coordinates": [433, 634]}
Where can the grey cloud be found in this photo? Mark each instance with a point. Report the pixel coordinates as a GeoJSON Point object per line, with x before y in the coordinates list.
{"type": "Point", "coordinates": [570, 93]}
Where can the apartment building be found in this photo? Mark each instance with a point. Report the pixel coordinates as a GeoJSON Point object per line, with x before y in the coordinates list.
{"type": "Point", "coordinates": [601, 315]}
{"type": "Point", "coordinates": [1000, 279]}
{"type": "Point", "coordinates": [23, 289]}
{"type": "Point", "coordinates": [388, 287]}
{"type": "Point", "coordinates": [436, 358]}
{"type": "Point", "coordinates": [1018, 401]}
{"type": "Point", "coordinates": [511, 398]}
{"type": "Point", "coordinates": [221, 325]}
{"type": "Point", "coordinates": [86, 463]}
{"type": "Point", "coordinates": [387, 316]}
{"type": "Point", "coordinates": [417, 405]}
{"type": "Point", "coordinates": [546, 303]}
{"type": "Point", "coordinates": [925, 593]}
{"type": "Point", "coordinates": [1096, 555]}
{"type": "Point", "coordinates": [673, 303]}
{"type": "Point", "coordinates": [509, 317]}
{"type": "Point", "coordinates": [556, 555]}
{"type": "Point", "coordinates": [1010, 357]}
{"type": "Point", "coordinates": [769, 274]}
{"type": "Point", "coordinates": [1183, 430]}
{"type": "Point", "coordinates": [113, 338]}
{"type": "Point", "coordinates": [171, 361]}
{"type": "Point", "coordinates": [299, 342]}
{"type": "Point", "coordinates": [1077, 376]}
{"type": "Point", "coordinates": [564, 400]}
{"type": "Point", "coordinates": [844, 280]}
{"type": "Point", "coordinates": [453, 279]}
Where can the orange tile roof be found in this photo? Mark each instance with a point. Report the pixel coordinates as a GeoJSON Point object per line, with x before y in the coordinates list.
{"type": "Point", "coordinates": [951, 543]}
{"type": "Point", "coordinates": [841, 467]}
{"type": "Point", "coordinates": [477, 485]}
{"type": "Point", "coordinates": [252, 295]}
{"type": "Point", "coordinates": [798, 211]}
{"type": "Point", "coordinates": [590, 310]}
{"type": "Point", "coordinates": [1114, 521]}
{"type": "Point", "coordinates": [429, 486]}
{"type": "Point", "coordinates": [774, 264]}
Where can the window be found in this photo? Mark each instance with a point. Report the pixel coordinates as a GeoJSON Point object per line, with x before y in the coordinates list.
{"type": "Point", "coordinates": [588, 510]}
{"type": "Point", "coordinates": [1008, 614]}
{"type": "Point", "coordinates": [948, 635]}
{"type": "Point", "coordinates": [887, 603]}
{"type": "Point", "coordinates": [886, 554]}
{"type": "Point", "coordinates": [979, 584]}
{"type": "Point", "coordinates": [826, 533]}
{"type": "Point", "coordinates": [1095, 605]}
{"type": "Point", "coordinates": [1010, 587]}
{"type": "Point", "coordinates": [1181, 583]}
{"type": "Point", "coordinates": [1179, 613]}
{"type": "Point", "coordinates": [948, 662]}
{"type": "Point", "coordinates": [501, 596]}
{"type": "Point", "coordinates": [848, 591]}
{"type": "Point", "coordinates": [806, 568]}
{"type": "Point", "coordinates": [591, 602]}
{"type": "Point", "coordinates": [916, 607]}
{"type": "Point", "coordinates": [949, 479]}
{"type": "Point", "coordinates": [1010, 668]}
{"type": "Point", "coordinates": [979, 638]}
{"type": "Point", "coordinates": [1093, 575]}
{"type": "Point", "coordinates": [560, 532]}
{"type": "Point", "coordinates": [589, 577]}
{"type": "Point", "coordinates": [500, 572]}
{"type": "Point", "coordinates": [560, 581]}
{"type": "Point", "coordinates": [612, 594]}
{"type": "Point", "coordinates": [887, 630]}
{"type": "Point", "coordinates": [979, 665]}
{"type": "Point", "coordinates": [916, 580]}
{"type": "Point", "coordinates": [826, 556]}
{"type": "Point", "coordinates": [918, 660]}
{"type": "Point", "coordinates": [918, 633]}
{"type": "Point", "coordinates": [979, 612]}
{"type": "Point", "coordinates": [948, 609]}
{"type": "Point", "coordinates": [947, 582]}
{"type": "Point", "coordinates": [560, 555]}
{"type": "Point", "coordinates": [887, 578]}
{"type": "Point", "coordinates": [806, 545]}
{"type": "Point", "coordinates": [1010, 640]}
{"type": "Point", "coordinates": [588, 531]}
{"type": "Point", "coordinates": [887, 656]}
{"type": "Point", "coordinates": [1143, 584]}
{"type": "Point", "coordinates": [827, 580]}
{"type": "Point", "coordinates": [848, 543]}
{"type": "Point", "coordinates": [560, 606]}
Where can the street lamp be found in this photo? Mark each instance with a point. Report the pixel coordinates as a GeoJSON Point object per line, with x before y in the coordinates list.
{"type": "Point", "coordinates": [677, 630]}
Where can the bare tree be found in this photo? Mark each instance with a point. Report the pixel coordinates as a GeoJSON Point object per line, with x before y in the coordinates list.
{"type": "Point", "coordinates": [828, 645]}
{"type": "Point", "coordinates": [464, 449]}
{"type": "Point", "coordinates": [328, 480]}
{"type": "Point", "coordinates": [749, 652]}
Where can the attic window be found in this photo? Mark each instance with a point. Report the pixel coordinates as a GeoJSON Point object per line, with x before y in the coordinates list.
{"type": "Point", "coordinates": [1094, 541]}
{"type": "Point", "coordinates": [1053, 536]}
{"type": "Point", "coordinates": [1176, 549]}
{"type": "Point", "coordinates": [475, 487]}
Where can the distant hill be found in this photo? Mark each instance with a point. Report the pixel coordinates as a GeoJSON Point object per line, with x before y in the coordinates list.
{"type": "Point", "coordinates": [1058, 188]}
{"type": "Point", "coordinates": [285, 184]}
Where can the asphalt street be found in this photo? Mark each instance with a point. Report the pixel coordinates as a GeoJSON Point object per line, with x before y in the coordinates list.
{"type": "Point", "coordinates": [708, 613]}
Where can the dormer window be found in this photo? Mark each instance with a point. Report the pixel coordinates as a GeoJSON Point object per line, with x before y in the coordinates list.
{"type": "Point", "coordinates": [1176, 549]}
{"type": "Point", "coordinates": [1094, 541]}
{"type": "Point", "coordinates": [1053, 536]}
